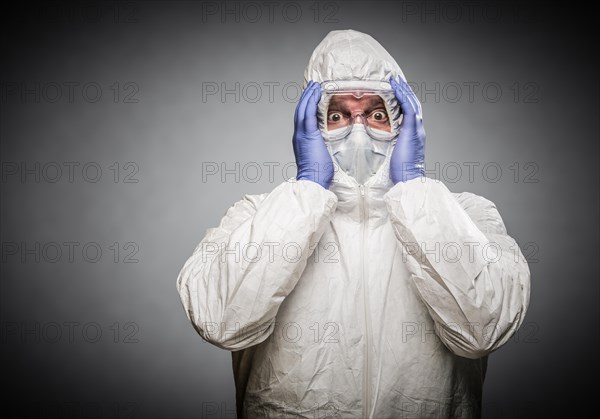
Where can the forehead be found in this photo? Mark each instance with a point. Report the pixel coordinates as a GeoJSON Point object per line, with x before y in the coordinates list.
{"type": "Point", "coordinates": [349, 101]}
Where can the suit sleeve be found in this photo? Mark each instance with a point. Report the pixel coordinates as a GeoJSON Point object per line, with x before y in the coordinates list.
{"type": "Point", "coordinates": [237, 277]}
{"type": "Point", "coordinates": [467, 270]}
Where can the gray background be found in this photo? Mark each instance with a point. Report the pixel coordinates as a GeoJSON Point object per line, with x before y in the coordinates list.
{"type": "Point", "coordinates": [161, 127]}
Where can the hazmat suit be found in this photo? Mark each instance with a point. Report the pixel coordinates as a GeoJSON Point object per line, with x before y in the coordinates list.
{"type": "Point", "coordinates": [379, 299]}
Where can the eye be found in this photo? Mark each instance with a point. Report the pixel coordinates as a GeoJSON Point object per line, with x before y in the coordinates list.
{"type": "Point", "coordinates": [379, 115]}
{"type": "Point", "coordinates": [334, 117]}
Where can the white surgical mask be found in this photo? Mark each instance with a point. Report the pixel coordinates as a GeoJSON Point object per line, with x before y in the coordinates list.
{"type": "Point", "coordinates": [358, 154]}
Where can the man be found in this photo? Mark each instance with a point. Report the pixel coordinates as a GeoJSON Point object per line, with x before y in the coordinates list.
{"type": "Point", "coordinates": [366, 290]}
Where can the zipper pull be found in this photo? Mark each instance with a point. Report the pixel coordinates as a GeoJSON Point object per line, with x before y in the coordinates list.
{"type": "Point", "coordinates": [362, 190]}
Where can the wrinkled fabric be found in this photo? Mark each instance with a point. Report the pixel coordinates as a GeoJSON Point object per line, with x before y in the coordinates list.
{"type": "Point", "coordinates": [348, 55]}
{"type": "Point", "coordinates": [365, 300]}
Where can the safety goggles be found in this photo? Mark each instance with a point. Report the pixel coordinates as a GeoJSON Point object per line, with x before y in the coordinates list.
{"type": "Point", "coordinates": [337, 121]}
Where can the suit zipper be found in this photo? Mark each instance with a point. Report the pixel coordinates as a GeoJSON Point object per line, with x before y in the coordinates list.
{"type": "Point", "coordinates": [366, 374]}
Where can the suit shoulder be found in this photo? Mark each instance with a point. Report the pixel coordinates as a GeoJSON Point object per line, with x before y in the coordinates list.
{"type": "Point", "coordinates": [469, 200]}
{"type": "Point", "coordinates": [483, 212]}
{"type": "Point", "coordinates": [254, 199]}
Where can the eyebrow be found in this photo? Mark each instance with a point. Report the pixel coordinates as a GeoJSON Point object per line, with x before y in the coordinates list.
{"type": "Point", "coordinates": [372, 104]}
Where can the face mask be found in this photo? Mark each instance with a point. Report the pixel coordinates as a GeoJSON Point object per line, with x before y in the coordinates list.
{"type": "Point", "coordinates": [358, 154]}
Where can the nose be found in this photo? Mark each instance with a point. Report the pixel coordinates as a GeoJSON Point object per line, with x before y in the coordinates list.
{"type": "Point", "coordinates": [359, 116]}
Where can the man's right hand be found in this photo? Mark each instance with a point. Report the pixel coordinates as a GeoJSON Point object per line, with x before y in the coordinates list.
{"type": "Point", "coordinates": [312, 158]}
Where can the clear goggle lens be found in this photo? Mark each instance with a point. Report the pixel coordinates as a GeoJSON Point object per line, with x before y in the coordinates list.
{"type": "Point", "coordinates": [376, 124]}
{"type": "Point", "coordinates": [340, 119]}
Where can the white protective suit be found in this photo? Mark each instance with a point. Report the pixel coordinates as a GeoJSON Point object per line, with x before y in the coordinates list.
{"type": "Point", "coordinates": [371, 300]}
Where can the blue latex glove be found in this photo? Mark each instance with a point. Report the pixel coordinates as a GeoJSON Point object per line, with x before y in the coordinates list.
{"type": "Point", "coordinates": [312, 158]}
{"type": "Point", "coordinates": [408, 158]}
